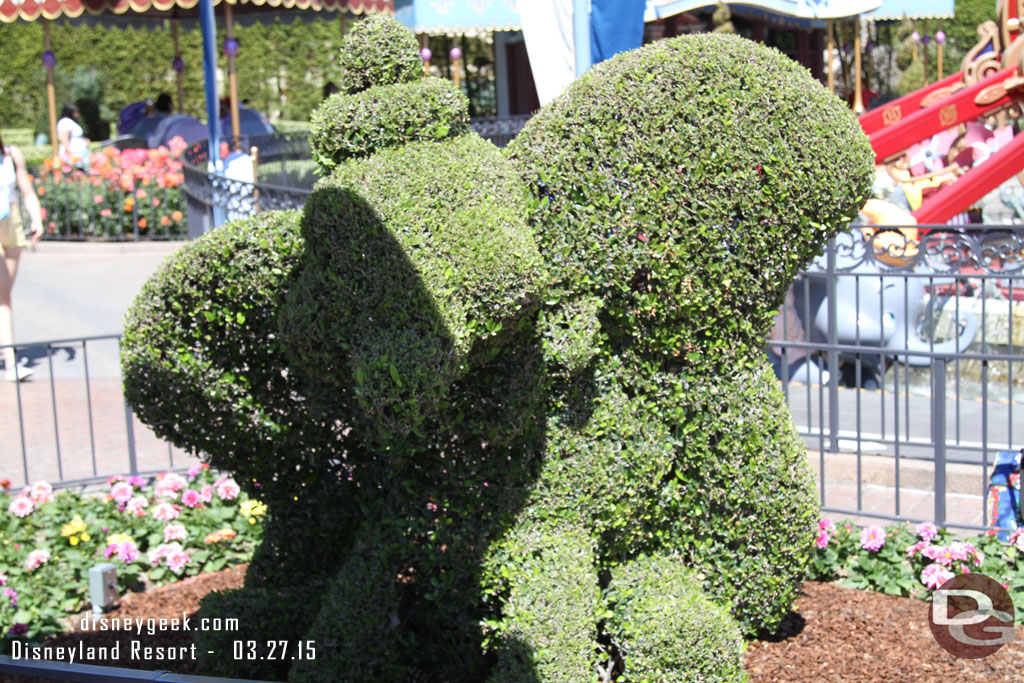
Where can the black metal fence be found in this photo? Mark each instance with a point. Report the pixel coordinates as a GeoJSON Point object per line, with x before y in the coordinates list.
{"type": "Point", "coordinates": [70, 424]}
{"type": "Point", "coordinates": [901, 362]}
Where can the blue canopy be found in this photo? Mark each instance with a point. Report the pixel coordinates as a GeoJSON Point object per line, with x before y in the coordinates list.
{"type": "Point", "coordinates": [914, 9]}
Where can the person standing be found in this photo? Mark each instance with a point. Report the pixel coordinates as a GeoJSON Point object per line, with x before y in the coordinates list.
{"type": "Point", "coordinates": [14, 180]}
{"type": "Point", "coordinates": [74, 146]}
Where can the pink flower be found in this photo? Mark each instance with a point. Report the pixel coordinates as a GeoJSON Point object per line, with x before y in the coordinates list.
{"type": "Point", "coordinates": [41, 492]}
{"type": "Point", "coordinates": [177, 560]}
{"type": "Point", "coordinates": [122, 492]}
{"type": "Point", "coordinates": [191, 498]}
{"type": "Point", "coordinates": [227, 489]}
{"type": "Point", "coordinates": [37, 558]}
{"type": "Point", "coordinates": [21, 506]}
{"type": "Point", "coordinates": [174, 532]}
{"type": "Point", "coordinates": [165, 512]}
{"type": "Point", "coordinates": [934, 575]}
{"type": "Point", "coordinates": [822, 540]}
{"type": "Point", "coordinates": [940, 554]}
{"type": "Point", "coordinates": [137, 506]}
{"type": "Point", "coordinates": [3, 579]}
{"type": "Point", "coordinates": [872, 538]}
{"type": "Point", "coordinates": [162, 551]}
{"type": "Point", "coordinates": [169, 485]}
{"type": "Point", "coordinates": [11, 595]}
{"type": "Point", "coordinates": [961, 551]}
{"type": "Point", "coordinates": [98, 198]}
{"type": "Point", "coordinates": [826, 524]}
{"type": "Point", "coordinates": [105, 212]}
{"type": "Point", "coordinates": [206, 493]}
{"type": "Point", "coordinates": [194, 471]}
{"type": "Point", "coordinates": [927, 531]}
{"type": "Point", "coordinates": [917, 547]}
{"type": "Point", "coordinates": [137, 482]}
{"type": "Point", "coordinates": [126, 551]}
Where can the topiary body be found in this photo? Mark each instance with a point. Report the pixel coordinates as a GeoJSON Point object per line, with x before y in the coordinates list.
{"type": "Point", "coordinates": [537, 429]}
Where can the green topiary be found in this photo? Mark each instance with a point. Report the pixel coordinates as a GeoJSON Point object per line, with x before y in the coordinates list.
{"type": "Point", "coordinates": [378, 51]}
{"type": "Point", "coordinates": [485, 429]}
{"type": "Point", "coordinates": [357, 125]}
{"type": "Point", "coordinates": [268, 618]}
{"type": "Point", "coordinates": [666, 629]}
{"type": "Point", "coordinates": [685, 184]}
{"type": "Point", "coordinates": [422, 257]}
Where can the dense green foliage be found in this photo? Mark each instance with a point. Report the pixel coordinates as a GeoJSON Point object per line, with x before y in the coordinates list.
{"type": "Point", "coordinates": [203, 364]}
{"type": "Point", "coordinates": [382, 52]}
{"type": "Point", "coordinates": [281, 67]}
{"type": "Point", "coordinates": [680, 204]}
{"type": "Point", "coordinates": [357, 125]}
{"type": "Point", "coordinates": [503, 414]}
{"type": "Point", "coordinates": [667, 630]}
{"type": "Point", "coordinates": [421, 257]}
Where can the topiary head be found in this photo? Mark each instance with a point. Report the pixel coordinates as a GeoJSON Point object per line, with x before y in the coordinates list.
{"type": "Point", "coordinates": [378, 51]}
{"type": "Point", "coordinates": [685, 184]}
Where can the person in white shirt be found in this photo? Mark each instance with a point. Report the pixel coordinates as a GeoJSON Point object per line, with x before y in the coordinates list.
{"type": "Point", "coordinates": [14, 179]}
{"type": "Point", "coordinates": [74, 146]}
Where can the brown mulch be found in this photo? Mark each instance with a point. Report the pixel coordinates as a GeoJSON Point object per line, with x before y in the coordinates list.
{"type": "Point", "coordinates": [842, 634]}
{"type": "Point", "coordinates": [833, 634]}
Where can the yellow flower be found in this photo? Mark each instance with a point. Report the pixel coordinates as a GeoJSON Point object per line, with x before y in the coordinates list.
{"type": "Point", "coordinates": [75, 526]}
{"type": "Point", "coordinates": [252, 520]}
{"type": "Point", "coordinates": [85, 537]}
{"type": "Point", "coordinates": [119, 538]}
{"type": "Point", "coordinates": [252, 508]}
{"type": "Point", "coordinates": [73, 540]}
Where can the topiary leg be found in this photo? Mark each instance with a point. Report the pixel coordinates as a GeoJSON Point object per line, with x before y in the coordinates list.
{"type": "Point", "coordinates": [663, 628]}
{"type": "Point", "coordinates": [548, 629]}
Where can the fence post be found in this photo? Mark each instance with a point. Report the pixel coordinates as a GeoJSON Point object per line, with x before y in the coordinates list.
{"type": "Point", "coordinates": [133, 465]}
{"type": "Point", "coordinates": [833, 355]}
{"type": "Point", "coordinates": [939, 437]}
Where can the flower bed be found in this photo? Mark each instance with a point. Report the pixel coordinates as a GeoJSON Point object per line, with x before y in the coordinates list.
{"type": "Point", "coordinates": [123, 191]}
{"type": "Point", "coordinates": [178, 526]}
{"type": "Point", "coordinates": [914, 561]}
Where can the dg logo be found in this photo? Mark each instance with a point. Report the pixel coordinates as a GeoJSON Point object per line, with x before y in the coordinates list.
{"type": "Point", "coordinates": [971, 616]}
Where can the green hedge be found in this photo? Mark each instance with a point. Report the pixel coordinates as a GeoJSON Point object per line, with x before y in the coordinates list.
{"type": "Point", "coordinates": [378, 51]}
{"type": "Point", "coordinates": [390, 116]}
{"type": "Point", "coordinates": [667, 629]}
{"type": "Point", "coordinates": [685, 184]}
{"type": "Point", "coordinates": [422, 257]}
{"type": "Point", "coordinates": [266, 615]}
{"type": "Point", "coordinates": [203, 365]}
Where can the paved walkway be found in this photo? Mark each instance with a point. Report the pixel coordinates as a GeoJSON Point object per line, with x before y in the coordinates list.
{"type": "Point", "coordinates": [63, 291]}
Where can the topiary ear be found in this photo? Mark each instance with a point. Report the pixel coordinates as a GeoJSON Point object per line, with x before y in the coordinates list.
{"type": "Point", "coordinates": [378, 51]}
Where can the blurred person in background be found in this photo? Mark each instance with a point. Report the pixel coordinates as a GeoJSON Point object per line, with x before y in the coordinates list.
{"type": "Point", "coordinates": [14, 181]}
{"type": "Point", "coordinates": [74, 146]}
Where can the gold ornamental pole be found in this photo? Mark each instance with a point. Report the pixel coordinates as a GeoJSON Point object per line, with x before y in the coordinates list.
{"type": "Point", "coordinates": [858, 101]}
{"type": "Point", "coordinates": [51, 91]}
{"type": "Point", "coordinates": [830, 57]}
{"type": "Point", "coordinates": [232, 49]}
{"type": "Point", "coordinates": [175, 31]}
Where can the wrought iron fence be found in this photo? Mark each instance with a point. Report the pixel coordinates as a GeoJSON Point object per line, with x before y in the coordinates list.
{"type": "Point", "coordinates": [70, 424]}
{"type": "Point", "coordinates": [901, 362]}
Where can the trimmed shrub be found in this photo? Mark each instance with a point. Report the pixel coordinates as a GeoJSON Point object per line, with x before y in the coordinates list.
{"type": "Point", "coordinates": [546, 574]}
{"type": "Point", "coordinates": [685, 184]}
{"type": "Point", "coordinates": [378, 50]}
{"type": "Point", "coordinates": [203, 365]}
{"type": "Point", "coordinates": [422, 258]}
{"type": "Point", "coordinates": [666, 629]}
{"type": "Point", "coordinates": [264, 615]}
{"type": "Point", "coordinates": [347, 126]}
{"type": "Point", "coordinates": [739, 505]}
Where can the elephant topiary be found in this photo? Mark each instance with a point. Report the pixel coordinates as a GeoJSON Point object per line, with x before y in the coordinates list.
{"type": "Point", "coordinates": [510, 413]}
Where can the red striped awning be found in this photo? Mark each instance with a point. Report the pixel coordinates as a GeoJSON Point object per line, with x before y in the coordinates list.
{"type": "Point", "coordinates": [30, 10]}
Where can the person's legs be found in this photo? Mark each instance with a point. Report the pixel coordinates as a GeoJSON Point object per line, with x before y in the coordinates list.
{"type": "Point", "coordinates": [8, 272]}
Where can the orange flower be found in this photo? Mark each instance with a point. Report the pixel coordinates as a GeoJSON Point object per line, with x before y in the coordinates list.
{"type": "Point", "coordinates": [165, 221]}
{"type": "Point", "coordinates": [41, 190]}
{"type": "Point", "coordinates": [176, 215]}
{"type": "Point", "coordinates": [143, 223]}
{"type": "Point", "coordinates": [129, 203]}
